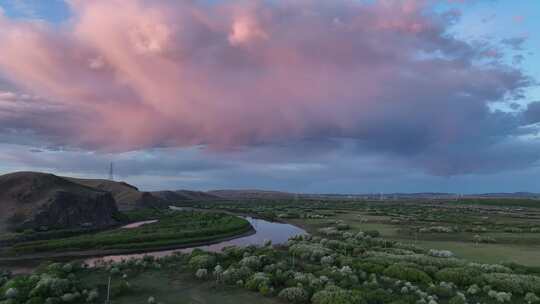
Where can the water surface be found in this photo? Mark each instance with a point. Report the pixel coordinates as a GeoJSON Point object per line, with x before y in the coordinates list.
{"type": "Point", "coordinates": [278, 233]}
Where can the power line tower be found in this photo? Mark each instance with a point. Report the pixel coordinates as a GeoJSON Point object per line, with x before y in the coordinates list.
{"type": "Point", "coordinates": [111, 171]}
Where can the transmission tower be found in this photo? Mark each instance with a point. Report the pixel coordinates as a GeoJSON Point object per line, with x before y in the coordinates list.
{"type": "Point", "coordinates": [111, 171]}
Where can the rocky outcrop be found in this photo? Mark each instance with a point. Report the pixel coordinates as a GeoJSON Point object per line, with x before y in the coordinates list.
{"type": "Point", "coordinates": [73, 210]}
{"type": "Point", "coordinates": [31, 200]}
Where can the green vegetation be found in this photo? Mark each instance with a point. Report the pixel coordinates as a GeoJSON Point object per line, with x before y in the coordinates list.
{"type": "Point", "coordinates": [482, 230]}
{"type": "Point", "coordinates": [359, 252]}
{"type": "Point", "coordinates": [172, 229]}
{"type": "Point", "coordinates": [347, 268]}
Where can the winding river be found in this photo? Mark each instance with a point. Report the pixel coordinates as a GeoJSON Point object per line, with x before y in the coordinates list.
{"type": "Point", "coordinates": [278, 233]}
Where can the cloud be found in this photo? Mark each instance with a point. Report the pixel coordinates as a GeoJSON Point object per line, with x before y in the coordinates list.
{"type": "Point", "coordinates": [532, 114]}
{"type": "Point", "coordinates": [515, 43]}
{"type": "Point", "coordinates": [388, 76]}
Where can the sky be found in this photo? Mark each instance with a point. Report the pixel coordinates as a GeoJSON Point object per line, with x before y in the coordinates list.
{"type": "Point", "coordinates": [312, 96]}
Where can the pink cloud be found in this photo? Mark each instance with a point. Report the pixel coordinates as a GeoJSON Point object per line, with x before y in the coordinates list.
{"type": "Point", "coordinates": [518, 18]}
{"type": "Point", "coordinates": [133, 74]}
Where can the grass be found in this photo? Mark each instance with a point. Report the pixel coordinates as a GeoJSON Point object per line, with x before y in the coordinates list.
{"type": "Point", "coordinates": [178, 287]}
{"type": "Point", "coordinates": [173, 228]}
{"type": "Point", "coordinates": [522, 248]}
{"type": "Point", "coordinates": [488, 253]}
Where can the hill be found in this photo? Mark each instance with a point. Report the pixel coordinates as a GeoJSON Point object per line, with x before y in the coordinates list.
{"type": "Point", "coordinates": [185, 195]}
{"type": "Point", "coordinates": [251, 194]}
{"type": "Point", "coordinates": [127, 197]}
{"type": "Point", "coordinates": [31, 200]}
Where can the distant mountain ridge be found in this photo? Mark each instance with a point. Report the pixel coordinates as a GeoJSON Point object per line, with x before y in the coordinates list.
{"type": "Point", "coordinates": [184, 195]}
{"type": "Point", "coordinates": [251, 194]}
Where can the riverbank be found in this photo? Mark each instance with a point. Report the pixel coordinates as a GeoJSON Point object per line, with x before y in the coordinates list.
{"type": "Point", "coordinates": [65, 256]}
{"type": "Point", "coordinates": [172, 230]}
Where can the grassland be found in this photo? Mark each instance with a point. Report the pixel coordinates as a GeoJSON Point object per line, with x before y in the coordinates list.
{"type": "Point", "coordinates": [358, 253]}
{"type": "Point", "coordinates": [172, 229]}
{"type": "Point", "coordinates": [490, 231]}
{"type": "Point", "coordinates": [173, 286]}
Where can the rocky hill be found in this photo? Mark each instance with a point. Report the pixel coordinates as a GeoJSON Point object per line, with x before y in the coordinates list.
{"type": "Point", "coordinates": [30, 200]}
{"type": "Point", "coordinates": [127, 197]}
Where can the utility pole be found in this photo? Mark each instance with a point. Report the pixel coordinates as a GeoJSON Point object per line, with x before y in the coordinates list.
{"type": "Point", "coordinates": [109, 291]}
{"type": "Point", "coordinates": [111, 171]}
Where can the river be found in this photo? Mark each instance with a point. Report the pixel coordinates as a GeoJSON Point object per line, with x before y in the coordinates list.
{"type": "Point", "coordinates": [278, 233]}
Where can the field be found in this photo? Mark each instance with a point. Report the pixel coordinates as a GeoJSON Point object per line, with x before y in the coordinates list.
{"type": "Point", "coordinates": [507, 231]}
{"type": "Point", "coordinates": [175, 287]}
{"type": "Point", "coordinates": [358, 253]}
{"type": "Point", "coordinates": [171, 229]}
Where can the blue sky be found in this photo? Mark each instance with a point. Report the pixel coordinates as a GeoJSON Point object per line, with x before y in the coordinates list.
{"type": "Point", "coordinates": [328, 97]}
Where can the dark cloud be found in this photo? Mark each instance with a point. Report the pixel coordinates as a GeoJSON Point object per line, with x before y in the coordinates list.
{"type": "Point", "coordinates": [532, 114]}
{"type": "Point", "coordinates": [516, 43]}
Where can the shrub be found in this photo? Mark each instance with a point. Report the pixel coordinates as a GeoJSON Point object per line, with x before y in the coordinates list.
{"type": "Point", "coordinates": [372, 233]}
{"type": "Point", "coordinates": [70, 297]}
{"type": "Point", "coordinates": [252, 262]}
{"type": "Point", "coordinates": [378, 296]}
{"type": "Point", "coordinates": [11, 293]}
{"type": "Point", "coordinates": [441, 253]}
{"type": "Point", "coordinates": [201, 274]}
{"type": "Point", "coordinates": [461, 276]}
{"type": "Point", "coordinates": [202, 261]}
{"type": "Point", "coordinates": [343, 226]}
{"type": "Point", "coordinates": [408, 274]}
{"type": "Point", "coordinates": [443, 290]}
{"type": "Point", "coordinates": [457, 300]}
{"type": "Point", "coordinates": [514, 283]}
{"type": "Point", "coordinates": [233, 275]}
{"type": "Point", "coordinates": [531, 298]}
{"type": "Point", "coordinates": [500, 297]}
{"type": "Point", "coordinates": [294, 295]}
{"type": "Point", "coordinates": [257, 281]}
{"type": "Point", "coordinates": [473, 289]}
{"type": "Point", "coordinates": [327, 260]}
{"type": "Point", "coordinates": [313, 251]}
{"type": "Point", "coordinates": [93, 296]}
{"type": "Point", "coordinates": [336, 295]}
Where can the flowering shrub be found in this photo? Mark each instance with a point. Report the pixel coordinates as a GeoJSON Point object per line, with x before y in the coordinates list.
{"type": "Point", "coordinates": [296, 295]}
{"type": "Point", "coordinates": [441, 253]}
{"type": "Point", "coordinates": [514, 283]}
{"type": "Point", "coordinates": [327, 260]}
{"type": "Point", "coordinates": [461, 276]}
{"type": "Point", "coordinates": [531, 298]}
{"type": "Point", "coordinates": [233, 275]}
{"type": "Point", "coordinates": [257, 281]}
{"type": "Point", "coordinates": [484, 239]}
{"type": "Point", "coordinates": [202, 273]}
{"type": "Point", "coordinates": [490, 268]}
{"type": "Point", "coordinates": [408, 274]}
{"type": "Point", "coordinates": [336, 295]}
{"type": "Point", "coordinates": [500, 297]}
{"type": "Point", "coordinates": [436, 229]}
{"type": "Point", "coordinates": [343, 226]}
{"type": "Point", "coordinates": [313, 251]}
{"type": "Point", "coordinates": [329, 231]}
{"type": "Point", "coordinates": [4, 277]}
{"type": "Point", "coordinates": [372, 233]}
{"type": "Point", "coordinates": [443, 290]}
{"type": "Point", "coordinates": [252, 262]}
{"type": "Point", "coordinates": [473, 289]}
{"type": "Point", "coordinates": [202, 261]}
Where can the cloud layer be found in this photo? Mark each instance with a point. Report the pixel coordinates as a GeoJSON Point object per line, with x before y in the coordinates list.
{"type": "Point", "coordinates": [124, 75]}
